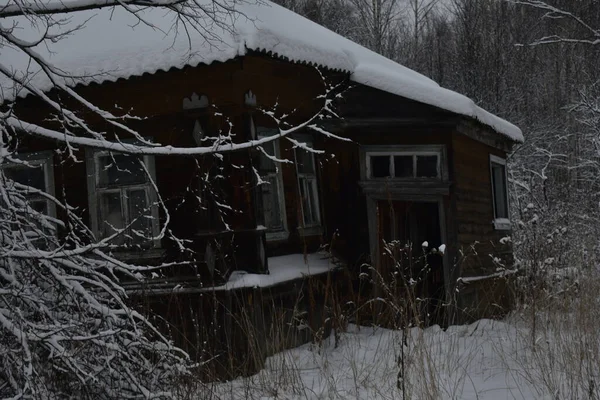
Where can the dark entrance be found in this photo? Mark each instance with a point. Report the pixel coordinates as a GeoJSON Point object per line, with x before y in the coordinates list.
{"type": "Point", "coordinates": [409, 236]}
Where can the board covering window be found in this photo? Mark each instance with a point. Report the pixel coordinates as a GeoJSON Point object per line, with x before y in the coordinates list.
{"type": "Point", "coordinates": [499, 192]}
{"type": "Point", "coordinates": [308, 189]}
{"type": "Point", "coordinates": [272, 213]}
{"type": "Point", "coordinates": [122, 198]}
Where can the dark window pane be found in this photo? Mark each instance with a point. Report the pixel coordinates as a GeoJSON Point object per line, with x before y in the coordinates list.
{"type": "Point", "coordinates": [314, 205]}
{"type": "Point", "coordinates": [499, 187]}
{"type": "Point", "coordinates": [403, 166]}
{"type": "Point", "coordinates": [41, 206]}
{"type": "Point", "coordinates": [265, 163]}
{"type": "Point", "coordinates": [306, 211]}
{"type": "Point", "coordinates": [310, 206]}
{"type": "Point", "coordinates": [111, 215]}
{"type": "Point", "coordinates": [306, 161]}
{"type": "Point", "coordinates": [270, 201]}
{"type": "Point", "coordinates": [380, 166]}
{"type": "Point", "coordinates": [140, 215]}
{"type": "Point", "coordinates": [427, 166]}
{"type": "Point", "coordinates": [30, 176]}
{"type": "Point", "coordinates": [120, 169]}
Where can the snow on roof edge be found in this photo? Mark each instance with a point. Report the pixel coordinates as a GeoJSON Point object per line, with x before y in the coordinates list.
{"type": "Point", "coordinates": [479, 114]}
{"type": "Point", "coordinates": [268, 28]}
{"type": "Point", "coordinates": [446, 99]}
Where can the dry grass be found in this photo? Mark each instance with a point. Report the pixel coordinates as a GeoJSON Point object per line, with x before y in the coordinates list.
{"type": "Point", "coordinates": [548, 348]}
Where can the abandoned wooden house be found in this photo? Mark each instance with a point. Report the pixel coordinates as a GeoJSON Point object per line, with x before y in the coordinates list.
{"type": "Point", "coordinates": [421, 165]}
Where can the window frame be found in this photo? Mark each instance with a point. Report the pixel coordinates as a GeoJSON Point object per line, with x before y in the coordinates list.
{"type": "Point", "coordinates": [499, 223]}
{"type": "Point", "coordinates": [402, 150]}
{"type": "Point", "coordinates": [45, 159]}
{"type": "Point", "coordinates": [316, 227]}
{"type": "Point", "coordinates": [284, 233]}
{"type": "Point", "coordinates": [95, 191]}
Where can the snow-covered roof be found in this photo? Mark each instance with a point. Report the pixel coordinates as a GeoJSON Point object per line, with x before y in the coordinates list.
{"type": "Point", "coordinates": [114, 44]}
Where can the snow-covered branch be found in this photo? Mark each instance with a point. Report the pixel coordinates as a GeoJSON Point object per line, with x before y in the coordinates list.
{"type": "Point", "coordinates": [553, 12]}
{"type": "Point", "coordinates": [17, 7]}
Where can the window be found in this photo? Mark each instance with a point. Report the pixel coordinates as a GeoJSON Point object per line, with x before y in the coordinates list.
{"type": "Point", "coordinates": [499, 192]}
{"type": "Point", "coordinates": [307, 186]}
{"type": "Point", "coordinates": [36, 171]}
{"type": "Point", "coordinates": [272, 215]}
{"type": "Point", "coordinates": [404, 165]}
{"type": "Point", "coordinates": [122, 198]}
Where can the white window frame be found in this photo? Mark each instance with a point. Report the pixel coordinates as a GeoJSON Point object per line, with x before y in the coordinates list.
{"type": "Point", "coordinates": [405, 152]}
{"type": "Point", "coordinates": [499, 223]}
{"type": "Point", "coordinates": [46, 160]}
{"type": "Point", "coordinates": [280, 234]}
{"type": "Point", "coordinates": [311, 179]}
{"type": "Point", "coordinates": [94, 192]}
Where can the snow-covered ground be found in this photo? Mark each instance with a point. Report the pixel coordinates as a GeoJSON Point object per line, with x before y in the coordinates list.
{"type": "Point", "coordinates": [485, 360]}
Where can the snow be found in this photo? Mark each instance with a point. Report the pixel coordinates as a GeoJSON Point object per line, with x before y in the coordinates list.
{"type": "Point", "coordinates": [502, 223]}
{"type": "Point", "coordinates": [442, 248]}
{"type": "Point", "coordinates": [499, 274]}
{"type": "Point", "coordinates": [281, 269]}
{"type": "Point", "coordinates": [485, 360]}
{"type": "Point", "coordinates": [113, 44]}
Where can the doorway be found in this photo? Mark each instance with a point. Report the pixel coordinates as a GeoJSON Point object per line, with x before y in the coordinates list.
{"type": "Point", "coordinates": [409, 236]}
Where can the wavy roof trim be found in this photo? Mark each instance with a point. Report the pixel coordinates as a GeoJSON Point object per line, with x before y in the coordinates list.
{"type": "Point", "coordinates": [113, 44]}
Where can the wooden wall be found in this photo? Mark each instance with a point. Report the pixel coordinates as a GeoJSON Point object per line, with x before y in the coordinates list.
{"type": "Point", "coordinates": [371, 117]}
{"type": "Point", "coordinates": [158, 98]}
{"type": "Point", "coordinates": [474, 205]}
{"type": "Point", "coordinates": [477, 239]}
{"type": "Point", "coordinates": [345, 201]}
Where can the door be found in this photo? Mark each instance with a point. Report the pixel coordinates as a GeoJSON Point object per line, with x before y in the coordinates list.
{"type": "Point", "coordinates": [409, 264]}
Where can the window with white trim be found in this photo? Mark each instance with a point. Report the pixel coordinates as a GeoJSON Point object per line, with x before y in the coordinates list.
{"type": "Point", "coordinates": [35, 170]}
{"type": "Point", "coordinates": [499, 192]}
{"type": "Point", "coordinates": [122, 198]}
{"type": "Point", "coordinates": [307, 186]}
{"type": "Point", "coordinates": [404, 165]}
{"type": "Point", "coordinates": [272, 212]}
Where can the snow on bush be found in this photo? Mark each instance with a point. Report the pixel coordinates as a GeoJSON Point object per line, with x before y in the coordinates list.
{"type": "Point", "coordinates": [67, 330]}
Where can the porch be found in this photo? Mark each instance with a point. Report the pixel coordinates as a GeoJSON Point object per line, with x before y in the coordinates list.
{"type": "Point", "coordinates": [235, 326]}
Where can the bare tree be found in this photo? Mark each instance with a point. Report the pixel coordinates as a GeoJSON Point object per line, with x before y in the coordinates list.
{"type": "Point", "coordinates": [581, 16]}
{"type": "Point", "coordinates": [68, 329]}
{"type": "Point", "coordinates": [379, 21]}
{"type": "Point", "coordinates": [421, 12]}
{"type": "Point", "coordinates": [554, 176]}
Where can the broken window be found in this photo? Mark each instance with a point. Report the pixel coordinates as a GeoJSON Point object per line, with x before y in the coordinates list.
{"type": "Point", "coordinates": [35, 172]}
{"type": "Point", "coordinates": [122, 198]}
{"type": "Point", "coordinates": [272, 214]}
{"type": "Point", "coordinates": [307, 185]}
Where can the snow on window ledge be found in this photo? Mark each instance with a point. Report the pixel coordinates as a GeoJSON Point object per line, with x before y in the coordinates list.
{"type": "Point", "coordinates": [281, 269]}
{"type": "Point", "coordinates": [502, 224]}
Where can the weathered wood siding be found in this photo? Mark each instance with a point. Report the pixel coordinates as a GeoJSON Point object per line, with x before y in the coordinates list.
{"type": "Point", "coordinates": [234, 331]}
{"type": "Point", "coordinates": [477, 239]}
{"type": "Point", "coordinates": [157, 98]}
{"type": "Point", "coordinates": [371, 117]}
{"type": "Point", "coordinates": [344, 200]}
